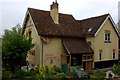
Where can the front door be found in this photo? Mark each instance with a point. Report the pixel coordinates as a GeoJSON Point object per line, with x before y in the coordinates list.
{"type": "Point", "coordinates": [87, 65]}
{"type": "Point", "coordinates": [87, 62]}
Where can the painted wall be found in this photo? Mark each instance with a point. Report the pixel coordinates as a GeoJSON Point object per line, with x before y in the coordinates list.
{"type": "Point", "coordinates": [35, 40]}
{"type": "Point", "coordinates": [107, 48]}
{"type": "Point", "coordinates": [54, 53]}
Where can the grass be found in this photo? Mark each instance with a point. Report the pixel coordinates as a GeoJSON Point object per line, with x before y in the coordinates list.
{"type": "Point", "coordinates": [98, 74]}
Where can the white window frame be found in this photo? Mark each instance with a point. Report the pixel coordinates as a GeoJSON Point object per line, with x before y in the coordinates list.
{"type": "Point", "coordinates": [107, 36]}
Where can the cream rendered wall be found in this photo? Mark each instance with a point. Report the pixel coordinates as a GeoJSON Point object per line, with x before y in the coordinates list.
{"type": "Point", "coordinates": [54, 51]}
{"type": "Point", "coordinates": [35, 40]}
{"type": "Point", "coordinates": [107, 48]}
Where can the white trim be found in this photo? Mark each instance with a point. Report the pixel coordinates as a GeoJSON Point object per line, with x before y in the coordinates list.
{"type": "Point", "coordinates": [105, 22]}
{"type": "Point", "coordinates": [66, 48]}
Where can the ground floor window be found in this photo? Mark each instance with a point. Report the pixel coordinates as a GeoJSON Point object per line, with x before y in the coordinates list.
{"type": "Point", "coordinates": [113, 55]}
{"type": "Point", "coordinates": [100, 56]}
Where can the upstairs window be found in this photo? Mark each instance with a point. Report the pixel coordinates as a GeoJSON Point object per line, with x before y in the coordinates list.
{"type": "Point", "coordinates": [107, 36]}
{"type": "Point", "coordinates": [30, 33]}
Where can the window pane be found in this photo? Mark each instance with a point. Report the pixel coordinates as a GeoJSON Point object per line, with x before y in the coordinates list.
{"type": "Point", "coordinates": [114, 55]}
{"type": "Point", "coordinates": [100, 56]}
{"type": "Point", "coordinates": [106, 36]}
{"type": "Point", "coordinates": [84, 57]}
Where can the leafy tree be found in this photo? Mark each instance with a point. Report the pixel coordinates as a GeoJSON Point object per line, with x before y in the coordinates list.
{"type": "Point", "coordinates": [118, 25]}
{"type": "Point", "coordinates": [15, 48]}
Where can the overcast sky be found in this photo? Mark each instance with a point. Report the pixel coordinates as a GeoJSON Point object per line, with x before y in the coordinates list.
{"type": "Point", "coordinates": [13, 12]}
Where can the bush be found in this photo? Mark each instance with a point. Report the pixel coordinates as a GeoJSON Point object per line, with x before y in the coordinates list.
{"type": "Point", "coordinates": [71, 74]}
{"type": "Point", "coordinates": [90, 72]}
{"type": "Point", "coordinates": [56, 69]}
{"type": "Point", "coordinates": [116, 69]}
{"type": "Point", "coordinates": [20, 74]}
{"type": "Point", "coordinates": [7, 74]}
{"type": "Point", "coordinates": [78, 67]}
{"type": "Point", "coordinates": [60, 75]}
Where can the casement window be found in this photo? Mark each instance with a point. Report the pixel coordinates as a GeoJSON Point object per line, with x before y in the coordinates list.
{"type": "Point", "coordinates": [87, 57]}
{"type": "Point", "coordinates": [107, 36]}
{"type": "Point", "coordinates": [100, 56]}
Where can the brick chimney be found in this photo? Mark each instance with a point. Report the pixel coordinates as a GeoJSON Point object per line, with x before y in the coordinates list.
{"type": "Point", "coordinates": [54, 12]}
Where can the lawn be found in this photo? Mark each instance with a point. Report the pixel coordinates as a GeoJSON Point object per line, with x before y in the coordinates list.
{"type": "Point", "coordinates": [98, 74]}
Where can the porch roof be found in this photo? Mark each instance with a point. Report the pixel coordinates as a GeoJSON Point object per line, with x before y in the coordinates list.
{"type": "Point", "coordinates": [76, 46]}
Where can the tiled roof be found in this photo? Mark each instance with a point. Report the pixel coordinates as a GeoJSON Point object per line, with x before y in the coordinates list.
{"type": "Point", "coordinates": [76, 46]}
{"type": "Point", "coordinates": [44, 24]}
{"type": "Point", "coordinates": [91, 25]}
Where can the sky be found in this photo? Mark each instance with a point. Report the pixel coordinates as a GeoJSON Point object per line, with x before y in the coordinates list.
{"type": "Point", "coordinates": [13, 12]}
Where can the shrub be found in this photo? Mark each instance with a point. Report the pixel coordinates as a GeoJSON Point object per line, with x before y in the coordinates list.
{"type": "Point", "coordinates": [71, 74]}
{"type": "Point", "coordinates": [56, 69]}
{"type": "Point", "coordinates": [78, 67]}
{"type": "Point", "coordinates": [116, 69]}
{"type": "Point", "coordinates": [7, 74]}
{"type": "Point", "coordinates": [60, 75]}
{"type": "Point", "coordinates": [20, 74]}
{"type": "Point", "coordinates": [30, 73]}
{"type": "Point", "coordinates": [90, 72]}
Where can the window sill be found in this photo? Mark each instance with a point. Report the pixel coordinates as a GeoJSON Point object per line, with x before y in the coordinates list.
{"type": "Point", "coordinates": [107, 41]}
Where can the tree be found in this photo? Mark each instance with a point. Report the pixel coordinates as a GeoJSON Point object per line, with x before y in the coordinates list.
{"type": "Point", "coordinates": [118, 26]}
{"type": "Point", "coordinates": [15, 48]}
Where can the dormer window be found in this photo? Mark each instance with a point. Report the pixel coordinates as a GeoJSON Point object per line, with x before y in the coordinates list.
{"type": "Point", "coordinates": [107, 36]}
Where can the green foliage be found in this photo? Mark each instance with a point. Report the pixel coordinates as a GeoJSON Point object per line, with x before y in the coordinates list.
{"type": "Point", "coordinates": [14, 49]}
{"type": "Point", "coordinates": [20, 74]}
{"type": "Point", "coordinates": [116, 69]}
{"type": "Point", "coordinates": [71, 74]}
{"type": "Point", "coordinates": [60, 75]}
{"type": "Point", "coordinates": [90, 72]}
{"type": "Point", "coordinates": [98, 74]}
{"type": "Point", "coordinates": [43, 73]}
{"type": "Point", "coordinates": [78, 67]}
{"type": "Point", "coordinates": [7, 74]}
{"type": "Point", "coordinates": [23, 74]}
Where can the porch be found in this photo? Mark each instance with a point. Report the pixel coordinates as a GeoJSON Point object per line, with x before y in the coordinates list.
{"type": "Point", "coordinates": [79, 53]}
{"type": "Point", "coordinates": [84, 60]}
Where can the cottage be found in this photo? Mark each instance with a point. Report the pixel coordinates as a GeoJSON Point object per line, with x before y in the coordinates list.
{"type": "Point", "coordinates": [61, 40]}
